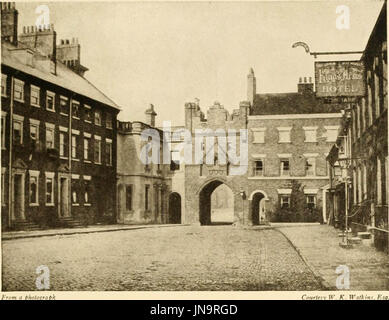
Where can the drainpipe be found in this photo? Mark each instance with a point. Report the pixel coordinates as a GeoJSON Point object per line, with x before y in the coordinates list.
{"type": "Point", "coordinates": [10, 183]}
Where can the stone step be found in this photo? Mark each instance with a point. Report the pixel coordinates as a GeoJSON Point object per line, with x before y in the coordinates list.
{"type": "Point", "coordinates": [364, 235]}
{"type": "Point", "coordinates": [355, 240]}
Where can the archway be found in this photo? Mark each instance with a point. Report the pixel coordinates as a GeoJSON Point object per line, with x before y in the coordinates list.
{"type": "Point", "coordinates": [216, 204]}
{"type": "Point", "coordinates": [258, 208]}
{"type": "Point", "coordinates": [174, 208]}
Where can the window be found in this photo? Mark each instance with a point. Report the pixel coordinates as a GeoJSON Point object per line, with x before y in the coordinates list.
{"type": "Point", "coordinates": [74, 146]}
{"type": "Point", "coordinates": [50, 101]}
{"type": "Point", "coordinates": [35, 96]}
{"type": "Point", "coordinates": [147, 188]}
{"type": "Point", "coordinates": [108, 121]}
{"type": "Point", "coordinates": [108, 152]}
{"type": "Point", "coordinates": [75, 109]}
{"type": "Point", "coordinates": [258, 169]}
{"type": "Point", "coordinates": [63, 104]}
{"type": "Point", "coordinates": [175, 163]}
{"type": "Point", "coordinates": [331, 133]}
{"type": "Point", "coordinates": [379, 182]}
{"type": "Point", "coordinates": [369, 98]}
{"type": "Point", "coordinates": [3, 122]}
{"type": "Point", "coordinates": [284, 167]}
{"type": "Point", "coordinates": [376, 89]}
{"type": "Point", "coordinates": [18, 129]}
{"type": "Point", "coordinates": [285, 201]}
{"type": "Point", "coordinates": [358, 121]}
{"type": "Point", "coordinates": [310, 134]}
{"type": "Point", "coordinates": [258, 135]}
{"type": "Point", "coordinates": [34, 130]}
{"type": "Point", "coordinates": [50, 136]}
{"type": "Point", "coordinates": [363, 122]}
{"type": "Point", "coordinates": [86, 148]}
{"type": "Point", "coordinates": [128, 198]}
{"type": "Point", "coordinates": [88, 114]}
{"type": "Point", "coordinates": [3, 85]}
{"type": "Point", "coordinates": [311, 201]}
{"type": "Point", "coordinates": [75, 189]}
{"type": "Point", "coordinates": [63, 144]}
{"type": "Point", "coordinates": [284, 134]}
{"type": "Point", "coordinates": [2, 186]}
{"type": "Point", "coordinates": [18, 90]}
{"type": "Point", "coordinates": [87, 190]}
{"type": "Point", "coordinates": [98, 117]}
{"type": "Point", "coordinates": [364, 173]}
{"type": "Point", "coordinates": [310, 166]}
{"type": "Point", "coordinates": [49, 188]}
{"type": "Point", "coordinates": [97, 150]}
{"type": "Point", "coordinates": [33, 187]}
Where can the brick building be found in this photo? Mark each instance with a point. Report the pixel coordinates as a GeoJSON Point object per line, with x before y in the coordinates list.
{"type": "Point", "coordinates": [289, 137]}
{"type": "Point", "coordinates": [363, 140]}
{"type": "Point", "coordinates": [58, 133]}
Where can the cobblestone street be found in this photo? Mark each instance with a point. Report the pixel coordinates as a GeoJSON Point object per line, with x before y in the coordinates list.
{"type": "Point", "coordinates": [175, 258]}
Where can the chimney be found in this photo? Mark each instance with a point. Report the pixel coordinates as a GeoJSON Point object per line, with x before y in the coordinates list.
{"type": "Point", "coordinates": [150, 116]}
{"type": "Point", "coordinates": [251, 86]}
{"type": "Point", "coordinates": [69, 53]}
{"type": "Point", "coordinates": [9, 22]}
{"type": "Point", "coordinates": [305, 87]}
{"type": "Point", "coordinates": [42, 39]}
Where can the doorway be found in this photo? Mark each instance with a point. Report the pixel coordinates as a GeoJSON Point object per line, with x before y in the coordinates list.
{"type": "Point", "coordinates": [64, 197]}
{"type": "Point", "coordinates": [18, 197]}
{"type": "Point", "coordinates": [174, 208]}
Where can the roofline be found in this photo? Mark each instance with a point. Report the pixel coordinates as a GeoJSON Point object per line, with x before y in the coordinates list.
{"type": "Point", "coordinates": [295, 116]}
{"type": "Point", "coordinates": [113, 105]}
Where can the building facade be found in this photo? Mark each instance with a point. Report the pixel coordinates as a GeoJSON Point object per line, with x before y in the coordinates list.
{"type": "Point", "coordinates": [58, 133]}
{"type": "Point", "coordinates": [363, 145]}
{"type": "Point", "coordinates": [149, 192]}
{"type": "Point", "coordinates": [289, 136]}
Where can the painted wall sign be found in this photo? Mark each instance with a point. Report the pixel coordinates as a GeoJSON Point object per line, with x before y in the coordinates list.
{"type": "Point", "coordinates": [339, 79]}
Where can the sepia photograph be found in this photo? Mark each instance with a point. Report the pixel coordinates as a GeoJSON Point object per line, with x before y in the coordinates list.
{"type": "Point", "coordinates": [194, 146]}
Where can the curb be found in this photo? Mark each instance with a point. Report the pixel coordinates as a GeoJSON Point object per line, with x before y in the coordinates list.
{"type": "Point", "coordinates": [314, 271]}
{"type": "Point", "coordinates": [22, 236]}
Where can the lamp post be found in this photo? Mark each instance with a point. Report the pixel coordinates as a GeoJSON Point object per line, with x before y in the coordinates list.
{"type": "Point", "coordinates": [242, 194]}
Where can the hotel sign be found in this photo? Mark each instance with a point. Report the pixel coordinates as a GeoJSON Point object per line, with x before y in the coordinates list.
{"type": "Point", "coordinates": [339, 79]}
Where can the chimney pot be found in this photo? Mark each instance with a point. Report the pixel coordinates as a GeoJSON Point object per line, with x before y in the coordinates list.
{"type": "Point", "coordinates": [300, 80]}
{"type": "Point", "coordinates": [305, 79]}
{"type": "Point", "coordinates": [310, 79]}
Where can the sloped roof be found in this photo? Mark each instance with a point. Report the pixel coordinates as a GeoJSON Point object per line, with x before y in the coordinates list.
{"type": "Point", "coordinates": [64, 77]}
{"type": "Point", "coordinates": [290, 103]}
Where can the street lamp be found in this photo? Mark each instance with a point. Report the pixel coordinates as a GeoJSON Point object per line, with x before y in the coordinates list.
{"type": "Point", "coordinates": [242, 194]}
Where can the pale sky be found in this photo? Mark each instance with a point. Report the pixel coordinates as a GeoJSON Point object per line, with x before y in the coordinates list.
{"type": "Point", "coordinates": [168, 53]}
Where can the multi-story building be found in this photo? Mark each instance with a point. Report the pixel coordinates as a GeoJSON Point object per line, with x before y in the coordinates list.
{"type": "Point", "coordinates": [147, 192]}
{"type": "Point", "coordinates": [365, 140]}
{"type": "Point", "coordinates": [289, 136]}
{"type": "Point", "coordinates": [58, 132]}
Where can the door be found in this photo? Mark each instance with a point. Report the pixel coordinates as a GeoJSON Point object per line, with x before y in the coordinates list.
{"type": "Point", "coordinates": [64, 197]}
{"type": "Point", "coordinates": [18, 197]}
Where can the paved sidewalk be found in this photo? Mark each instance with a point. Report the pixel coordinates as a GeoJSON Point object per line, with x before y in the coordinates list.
{"type": "Point", "coordinates": [69, 231]}
{"type": "Point", "coordinates": [319, 247]}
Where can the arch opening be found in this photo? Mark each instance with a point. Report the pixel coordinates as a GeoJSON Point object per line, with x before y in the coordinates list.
{"type": "Point", "coordinates": [174, 208]}
{"type": "Point", "coordinates": [216, 204]}
{"type": "Point", "coordinates": [258, 208]}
